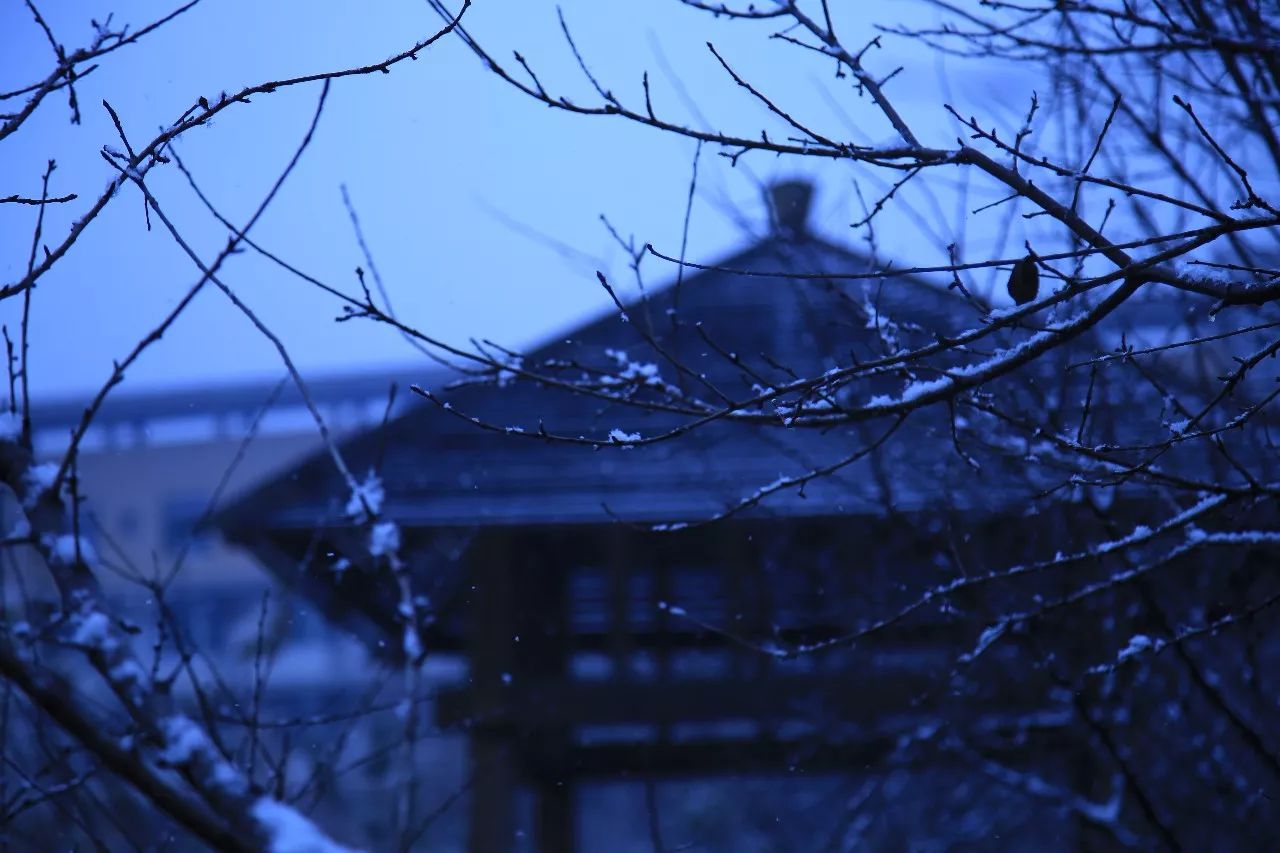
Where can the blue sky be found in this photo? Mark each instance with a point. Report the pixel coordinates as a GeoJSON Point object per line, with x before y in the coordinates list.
{"type": "Point", "coordinates": [440, 158]}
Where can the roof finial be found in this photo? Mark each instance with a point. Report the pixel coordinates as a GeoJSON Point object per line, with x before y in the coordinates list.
{"type": "Point", "coordinates": [788, 203]}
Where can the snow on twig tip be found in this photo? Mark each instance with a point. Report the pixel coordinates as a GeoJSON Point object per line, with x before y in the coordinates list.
{"type": "Point", "coordinates": [366, 498]}
{"type": "Point", "coordinates": [384, 538]}
{"type": "Point", "coordinates": [290, 832]}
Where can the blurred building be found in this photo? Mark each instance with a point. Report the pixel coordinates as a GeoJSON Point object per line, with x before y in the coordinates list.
{"type": "Point", "coordinates": [156, 466]}
{"type": "Point", "coordinates": [602, 653]}
{"type": "Point", "coordinates": [613, 681]}
{"type": "Point", "coordinates": [154, 469]}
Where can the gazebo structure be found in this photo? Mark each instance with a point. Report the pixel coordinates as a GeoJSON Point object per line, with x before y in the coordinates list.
{"type": "Point", "coordinates": [598, 647]}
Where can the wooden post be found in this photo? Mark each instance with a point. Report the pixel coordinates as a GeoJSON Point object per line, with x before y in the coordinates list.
{"type": "Point", "coordinates": [619, 628]}
{"type": "Point", "coordinates": [490, 630]}
{"type": "Point", "coordinates": [554, 815]}
{"type": "Point", "coordinates": [541, 657]}
{"type": "Point", "coordinates": [493, 787]}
